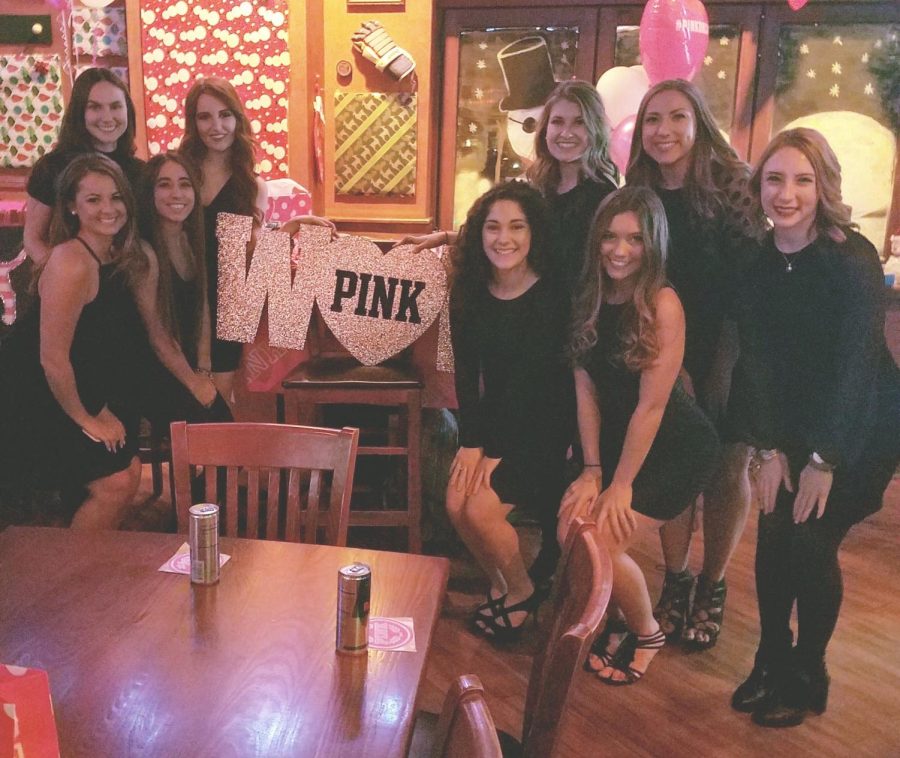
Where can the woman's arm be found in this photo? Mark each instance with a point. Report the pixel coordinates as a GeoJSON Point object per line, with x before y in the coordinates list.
{"type": "Point", "coordinates": [581, 495]}
{"type": "Point", "coordinates": [37, 226]}
{"type": "Point", "coordinates": [262, 197]}
{"type": "Point", "coordinates": [164, 345]}
{"type": "Point", "coordinates": [467, 374]}
{"type": "Point", "coordinates": [614, 504]}
{"type": "Point", "coordinates": [67, 283]}
{"type": "Point", "coordinates": [429, 241]}
{"type": "Point", "coordinates": [204, 339]}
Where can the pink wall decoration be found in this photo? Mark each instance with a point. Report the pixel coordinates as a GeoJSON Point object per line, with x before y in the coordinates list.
{"type": "Point", "coordinates": [244, 42]}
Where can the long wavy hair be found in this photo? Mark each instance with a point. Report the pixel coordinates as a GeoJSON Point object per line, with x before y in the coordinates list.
{"type": "Point", "coordinates": [595, 163]}
{"type": "Point", "coordinates": [639, 342]}
{"type": "Point", "coordinates": [151, 231]}
{"type": "Point", "coordinates": [832, 213]}
{"type": "Point", "coordinates": [242, 149]}
{"type": "Point", "coordinates": [73, 133]}
{"type": "Point", "coordinates": [65, 225]}
{"type": "Point", "coordinates": [713, 166]}
{"type": "Point", "coordinates": [472, 271]}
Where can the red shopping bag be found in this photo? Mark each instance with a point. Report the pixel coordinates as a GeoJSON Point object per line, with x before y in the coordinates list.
{"type": "Point", "coordinates": [27, 728]}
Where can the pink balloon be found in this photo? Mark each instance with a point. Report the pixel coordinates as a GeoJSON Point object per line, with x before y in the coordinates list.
{"type": "Point", "coordinates": [796, 5]}
{"type": "Point", "coordinates": [57, 4]}
{"type": "Point", "coordinates": [673, 38]}
{"type": "Point", "coordinates": [620, 142]}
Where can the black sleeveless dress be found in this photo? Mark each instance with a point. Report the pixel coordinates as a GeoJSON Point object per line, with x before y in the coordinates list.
{"type": "Point", "coordinates": [226, 355]}
{"type": "Point", "coordinates": [685, 450]}
{"type": "Point", "coordinates": [41, 446]}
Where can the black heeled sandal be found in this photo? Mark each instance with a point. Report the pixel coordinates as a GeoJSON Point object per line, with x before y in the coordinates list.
{"type": "Point", "coordinates": [707, 615]}
{"type": "Point", "coordinates": [488, 609]}
{"type": "Point", "coordinates": [674, 603]}
{"type": "Point", "coordinates": [624, 657]}
{"type": "Point", "coordinates": [615, 625]}
{"type": "Point", "coordinates": [492, 628]}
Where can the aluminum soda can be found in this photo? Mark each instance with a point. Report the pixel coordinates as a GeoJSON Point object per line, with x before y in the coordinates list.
{"type": "Point", "coordinates": [203, 538]}
{"type": "Point", "coordinates": [354, 592]}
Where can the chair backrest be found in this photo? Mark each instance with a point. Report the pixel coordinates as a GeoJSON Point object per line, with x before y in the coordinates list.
{"type": "Point", "coordinates": [465, 727]}
{"type": "Point", "coordinates": [285, 470]}
{"type": "Point", "coordinates": [580, 596]}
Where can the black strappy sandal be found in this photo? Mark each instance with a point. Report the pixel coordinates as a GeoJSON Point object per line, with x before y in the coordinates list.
{"type": "Point", "coordinates": [674, 604]}
{"type": "Point", "coordinates": [615, 624]}
{"type": "Point", "coordinates": [624, 657]}
{"type": "Point", "coordinates": [499, 626]}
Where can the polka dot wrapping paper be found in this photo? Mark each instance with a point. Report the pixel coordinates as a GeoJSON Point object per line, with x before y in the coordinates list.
{"type": "Point", "coordinates": [243, 42]}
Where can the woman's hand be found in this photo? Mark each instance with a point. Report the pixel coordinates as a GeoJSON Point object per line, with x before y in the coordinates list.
{"type": "Point", "coordinates": [203, 390]}
{"type": "Point", "coordinates": [462, 470]}
{"type": "Point", "coordinates": [425, 241]}
{"type": "Point", "coordinates": [767, 480]}
{"type": "Point", "coordinates": [614, 508]}
{"type": "Point", "coordinates": [292, 227]}
{"type": "Point", "coordinates": [579, 498]}
{"type": "Point", "coordinates": [812, 493]}
{"type": "Point", "coordinates": [106, 429]}
{"type": "Point", "coordinates": [483, 471]}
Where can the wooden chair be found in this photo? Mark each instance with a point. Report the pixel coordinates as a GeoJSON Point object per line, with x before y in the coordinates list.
{"type": "Point", "coordinates": [293, 455]}
{"type": "Point", "coordinates": [579, 599]}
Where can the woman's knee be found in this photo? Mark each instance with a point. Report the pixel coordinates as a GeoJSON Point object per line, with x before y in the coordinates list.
{"type": "Point", "coordinates": [120, 485]}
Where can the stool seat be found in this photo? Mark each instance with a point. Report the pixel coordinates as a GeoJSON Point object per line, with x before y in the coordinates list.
{"type": "Point", "coordinates": [347, 373]}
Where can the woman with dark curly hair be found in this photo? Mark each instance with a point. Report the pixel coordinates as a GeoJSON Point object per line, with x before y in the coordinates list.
{"type": "Point", "coordinates": [219, 141]}
{"type": "Point", "coordinates": [825, 394]}
{"type": "Point", "coordinates": [648, 449]}
{"type": "Point", "coordinates": [679, 153]}
{"type": "Point", "coordinates": [508, 324]}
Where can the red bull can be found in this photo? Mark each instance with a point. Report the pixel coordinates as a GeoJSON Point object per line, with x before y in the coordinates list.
{"type": "Point", "coordinates": [203, 538]}
{"type": "Point", "coordinates": [354, 593]}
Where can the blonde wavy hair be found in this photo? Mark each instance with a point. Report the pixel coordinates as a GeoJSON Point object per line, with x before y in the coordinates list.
{"type": "Point", "coordinates": [639, 342]}
{"type": "Point", "coordinates": [832, 213]}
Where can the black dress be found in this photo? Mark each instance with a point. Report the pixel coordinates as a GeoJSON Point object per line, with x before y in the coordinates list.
{"type": "Point", "coordinates": [41, 446]}
{"type": "Point", "coordinates": [684, 452]}
{"type": "Point", "coordinates": [816, 370]}
{"type": "Point", "coordinates": [226, 355]}
{"type": "Point", "coordinates": [525, 414]}
{"type": "Point", "coordinates": [570, 217]}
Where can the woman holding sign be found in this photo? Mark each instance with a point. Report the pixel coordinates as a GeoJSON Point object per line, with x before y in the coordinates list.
{"type": "Point", "coordinates": [508, 326]}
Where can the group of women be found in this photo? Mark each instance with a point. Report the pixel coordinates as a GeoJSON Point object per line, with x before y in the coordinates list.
{"type": "Point", "coordinates": [684, 343]}
{"type": "Point", "coordinates": [697, 351]}
{"type": "Point", "coordinates": [125, 259]}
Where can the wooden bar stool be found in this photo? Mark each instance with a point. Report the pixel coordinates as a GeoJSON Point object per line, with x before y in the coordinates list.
{"type": "Point", "coordinates": [343, 381]}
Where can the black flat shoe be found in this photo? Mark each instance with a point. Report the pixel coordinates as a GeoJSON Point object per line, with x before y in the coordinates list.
{"type": "Point", "coordinates": [754, 690]}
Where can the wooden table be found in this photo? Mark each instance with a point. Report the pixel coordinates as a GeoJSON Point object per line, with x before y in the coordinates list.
{"type": "Point", "coordinates": [142, 663]}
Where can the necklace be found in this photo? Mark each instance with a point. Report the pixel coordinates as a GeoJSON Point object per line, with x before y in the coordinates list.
{"type": "Point", "coordinates": [788, 265]}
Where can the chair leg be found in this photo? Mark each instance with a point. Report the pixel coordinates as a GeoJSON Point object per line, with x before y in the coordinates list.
{"type": "Point", "coordinates": [413, 470]}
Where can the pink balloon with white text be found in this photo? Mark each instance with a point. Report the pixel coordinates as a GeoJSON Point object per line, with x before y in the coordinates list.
{"type": "Point", "coordinates": [673, 39]}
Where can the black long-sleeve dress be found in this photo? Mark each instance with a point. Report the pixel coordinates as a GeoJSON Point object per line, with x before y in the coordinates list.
{"type": "Point", "coordinates": [515, 390]}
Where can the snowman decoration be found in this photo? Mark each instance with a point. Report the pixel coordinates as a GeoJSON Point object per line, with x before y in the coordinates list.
{"type": "Point", "coordinates": [528, 75]}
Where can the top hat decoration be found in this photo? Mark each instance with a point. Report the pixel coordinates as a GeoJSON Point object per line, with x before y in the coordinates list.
{"type": "Point", "coordinates": [527, 72]}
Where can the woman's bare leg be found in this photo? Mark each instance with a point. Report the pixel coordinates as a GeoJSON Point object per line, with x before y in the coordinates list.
{"type": "Point", "coordinates": [108, 499]}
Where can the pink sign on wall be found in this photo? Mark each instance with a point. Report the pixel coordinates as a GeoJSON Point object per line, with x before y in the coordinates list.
{"type": "Point", "coordinates": [243, 42]}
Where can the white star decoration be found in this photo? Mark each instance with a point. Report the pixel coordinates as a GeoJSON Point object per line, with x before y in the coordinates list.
{"type": "Point", "coordinates": [563, 60]}
{"type": "Point", "coordinates": [869, 89]}
{"type": "Point", "coordinates": [721, 74]}
{"type": "Point", "coordinates": [836, 69]}
{"type": "Point", "coordinates": [878, 44]}
{"type": "Point", "coordinates": [707, 60]}
{"type": "Point", "coordinates": [811, 74]}
{"type": "Point", "coordinates": [472, 127]}
{"type": "Point", "coordinates": [479, 93]}
{"type": "Point", "coordinates": [838, 41]}
{"type": "Point", "coordinates": [835, 90]}
{"type": "Point", "coordinates": [804, 49]}
{"type": "Point", "coordinates": [724, 41]}
{"type": "Point", "coordinates": [482, 45]}
{"type": "Point", "coordinates": [481, 64]}
{"type": "Point", "coordinates": [865, 58]}
{"type": "Point", "coordinates": [564, 45]}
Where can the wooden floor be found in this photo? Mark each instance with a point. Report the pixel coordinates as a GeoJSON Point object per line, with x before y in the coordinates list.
{"type": "Point", "coordinates": [681, 707]}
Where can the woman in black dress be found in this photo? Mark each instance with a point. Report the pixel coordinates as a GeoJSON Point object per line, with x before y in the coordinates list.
{"type": "Point", "coordinates": [678, 152]}
{"type": "Point", "coordinates": [508, 324]}
{"type": "Point", "coordinates": [219, 141]}
{"type": "Point", "coordinates": [648, 449]}
{"type": "Point", "coordinates": [99, 118]}
{"type": "Point", "coordinates": [825, 398]}
{"type": "Point", "coordinates": [171, 297]}
{"type": "Point", "coordinates": [66, 403]}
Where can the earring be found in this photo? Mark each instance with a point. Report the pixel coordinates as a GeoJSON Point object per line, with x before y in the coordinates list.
{"type": "Point", "coordinates": [73, 213]}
